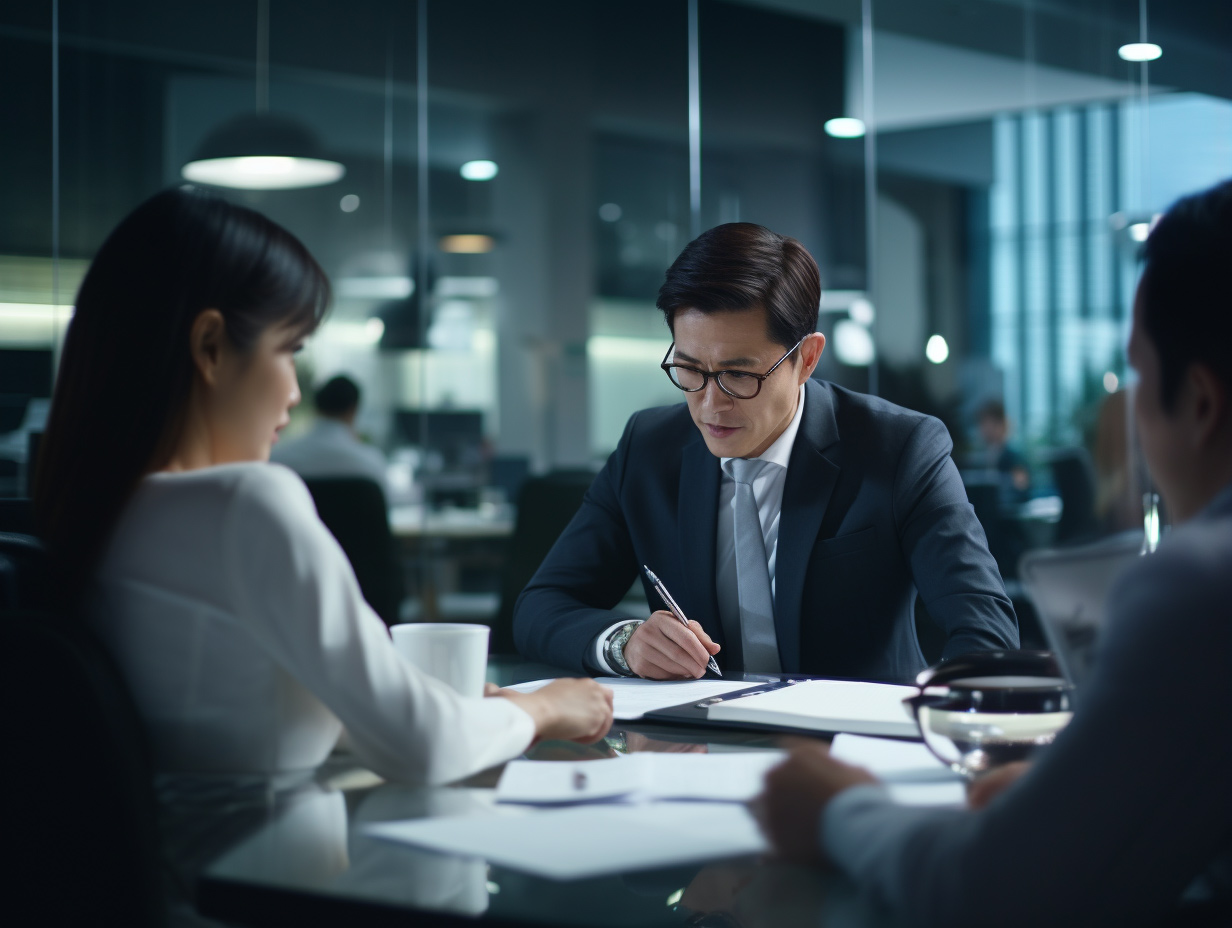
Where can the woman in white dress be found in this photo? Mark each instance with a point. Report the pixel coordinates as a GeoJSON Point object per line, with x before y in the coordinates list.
{"type": "Point", "coordinates": [229, 607]}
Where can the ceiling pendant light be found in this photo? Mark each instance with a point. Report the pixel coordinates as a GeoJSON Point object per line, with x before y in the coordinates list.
{"type": "Point", "coordinates": [260, 151]}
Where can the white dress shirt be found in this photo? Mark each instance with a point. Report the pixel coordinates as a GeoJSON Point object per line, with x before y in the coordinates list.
{"type": "Point", "coordinates": [330, 449]}
{"type": "Point", "coordinates": [768, 492]}
{"type": "Point", "coordinates": [238, 624]}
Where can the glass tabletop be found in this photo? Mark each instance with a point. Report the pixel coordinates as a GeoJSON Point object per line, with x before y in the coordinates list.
{"type": "Point", "coordinates": [297, 851]}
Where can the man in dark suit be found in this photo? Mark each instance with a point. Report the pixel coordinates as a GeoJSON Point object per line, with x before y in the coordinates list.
{"type": "Point", "coordinates": [792, 520]}
{"type": "Point", "coordinates": [1128, 815]}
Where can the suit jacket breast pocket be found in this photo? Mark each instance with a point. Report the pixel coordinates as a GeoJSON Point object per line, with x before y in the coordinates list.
{"type": "Point", "coordinates": [851, 543]}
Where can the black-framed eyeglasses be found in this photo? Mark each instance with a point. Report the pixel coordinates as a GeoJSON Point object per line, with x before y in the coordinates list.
{"type": "Point", "coordinates": [741, 385]}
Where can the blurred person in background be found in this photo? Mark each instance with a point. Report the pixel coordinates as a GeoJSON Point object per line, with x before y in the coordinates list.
{"type": "Point", "coordinates": [1128, 813]}
{"type": "Point", "coordinates": [332, 448]}
{"type": "Point", "coordinates": [1010, 466]}
{"type": "Point", "coordinates": [1119, 483]}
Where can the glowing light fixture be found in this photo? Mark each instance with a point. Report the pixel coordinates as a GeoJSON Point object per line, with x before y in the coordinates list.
{"type": "Point", "coordinates": [844, 127]}
{"type": "Point", "coordinates": [349, 203]}
{"type": "Point", "coordinates": [1139, 231]}
{"type": "Point", "coordinates": [467, 244]}
{"type": "Point", "coordinates": [479, 170]}
{"type": "Point", "coordinates": [861, 311]}
{"type": "Point", "coordinates": [1140, 51]}
{"type": "Point", "coordinates": [853, 345]}
{"type": "Point", "coordinates": [936, 350]}
{"type": "Point", "coordinates": [260, 151]}
{"type": "Point", "coordinates": [1111, 382]}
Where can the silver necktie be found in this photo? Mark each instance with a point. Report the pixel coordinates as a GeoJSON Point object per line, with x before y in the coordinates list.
{"type": "Point", "coordinates": [757, 636]}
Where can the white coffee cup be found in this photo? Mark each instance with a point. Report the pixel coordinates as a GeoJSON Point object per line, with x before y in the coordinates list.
{"type": "Point", "coordinates": [454, 653]}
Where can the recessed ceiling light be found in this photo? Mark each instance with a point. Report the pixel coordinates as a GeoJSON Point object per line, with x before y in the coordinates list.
{"type": "Point", "coordinates": [845, 127]}
{"type": "Point", "coordinates": [1140, 51]}
{"type": "Point", "coordinates": [479, 170]}
{"type": "Point", "coordinates": [937, 350]}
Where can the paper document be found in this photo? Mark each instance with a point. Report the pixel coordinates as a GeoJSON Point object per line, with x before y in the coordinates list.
{"type": "Point", "coordinates": [634, 697]}
{"type": "Point", "coordinates": [826, 705]}
{"type": "Point", "coordinates": [909, 770]}
{"type": "Point", "coordinates": [639, 777]}
{"type": "Point", "coordinates": [589, 840]}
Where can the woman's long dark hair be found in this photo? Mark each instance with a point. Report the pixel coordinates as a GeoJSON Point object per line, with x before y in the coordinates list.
{"type": "Point", "coordinates": [126, 370]}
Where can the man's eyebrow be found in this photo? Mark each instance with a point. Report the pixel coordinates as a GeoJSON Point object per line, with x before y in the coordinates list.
{"type": "Point", "coordinates": [723, 365]}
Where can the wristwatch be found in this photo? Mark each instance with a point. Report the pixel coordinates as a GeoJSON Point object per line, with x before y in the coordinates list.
{"type": "Point", "coordinates": [614, 648]}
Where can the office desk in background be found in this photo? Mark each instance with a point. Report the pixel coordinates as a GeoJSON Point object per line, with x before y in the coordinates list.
{"type": "Point", "coordinates": [439, 544]}
{"type": "Point", "coordinates": [306, 860]}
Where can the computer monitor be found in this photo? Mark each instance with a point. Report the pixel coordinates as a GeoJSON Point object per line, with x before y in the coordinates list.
{"type": "Point", "coordinates": [456, 435]}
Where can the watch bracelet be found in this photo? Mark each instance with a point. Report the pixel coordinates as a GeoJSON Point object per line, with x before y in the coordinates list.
{"type": "Point", "coordinates": [615, 645]}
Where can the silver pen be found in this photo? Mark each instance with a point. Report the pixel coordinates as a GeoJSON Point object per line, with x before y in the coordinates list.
{"type": "Point", "coordinates": [675, 609]}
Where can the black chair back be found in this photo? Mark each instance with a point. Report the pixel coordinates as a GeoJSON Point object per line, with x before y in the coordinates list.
{"type": "Point", "coordinates": [354, 509]}
{"type": "Point", "coordinates": [545, 506]}
{"type": "Point", "coordinates": [80, 808]}
{"type": "Point", "coordinates": [1074, 478]}
{"type": "Point", "coordinates": [17, 515]}
{"type": "Point", "coordinates": [23, 572]}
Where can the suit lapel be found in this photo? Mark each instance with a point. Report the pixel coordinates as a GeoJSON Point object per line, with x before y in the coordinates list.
{"type": "Point", "coordinates": [811, 475]}
{"type": "Point", "coordinates": [699, 520]}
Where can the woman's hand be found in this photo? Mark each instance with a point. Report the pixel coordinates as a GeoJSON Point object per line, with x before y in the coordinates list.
{"type": "Point", "coordinates": [565, 710]}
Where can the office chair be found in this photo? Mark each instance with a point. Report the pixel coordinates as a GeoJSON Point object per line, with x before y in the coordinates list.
{"type": "Point", "coordinates": [80, 810]}
{"type": "Point", "coordinates": [17, 515]}
{"type": "Point", "coordinates": [23, 572]}
{"type": "Point", "coordinates": [1075, 481]}
{"type": "Point", "coordinates": [545, 506]}
{"type": "Point", "coordinates": [354, 510]}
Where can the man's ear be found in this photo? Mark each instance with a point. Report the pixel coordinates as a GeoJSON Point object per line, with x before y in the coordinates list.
{"type": "Point", "coordinates": [206, 341]}
{"type": "Point", "coordinates": [1208, 403]}
{"type": "Point", "coordinates": [810, 355]}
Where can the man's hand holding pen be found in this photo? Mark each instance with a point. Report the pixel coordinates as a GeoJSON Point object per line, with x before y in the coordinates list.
{"type": "Point", "coordinates": [664, 649]}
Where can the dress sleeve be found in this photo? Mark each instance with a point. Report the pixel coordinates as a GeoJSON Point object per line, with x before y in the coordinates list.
{"type": "Point", "coordinates": [294, 588]}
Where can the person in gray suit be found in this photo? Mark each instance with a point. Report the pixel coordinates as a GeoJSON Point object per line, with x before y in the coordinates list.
{"type": "Point", "coordinates": [793, 521]}
{"type": "Point", "coordinates": [1129, 812]}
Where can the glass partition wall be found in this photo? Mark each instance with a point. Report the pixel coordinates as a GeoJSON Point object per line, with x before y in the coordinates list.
{"type": "Point", "coordinates": [506, 183]}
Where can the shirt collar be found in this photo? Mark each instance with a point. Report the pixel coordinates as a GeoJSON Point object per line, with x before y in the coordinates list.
{"type": "Point", "coordinates": [780, 451]}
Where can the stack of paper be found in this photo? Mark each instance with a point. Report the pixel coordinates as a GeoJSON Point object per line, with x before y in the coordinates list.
{"type": "Point", "coordinates": [634, 697]}
{"type": "Point", "coordinates": [639, 777]}
{"type": "Point", "coordinates": [589, 840]}
{"type": "Point", "coordinates": [909, 770]}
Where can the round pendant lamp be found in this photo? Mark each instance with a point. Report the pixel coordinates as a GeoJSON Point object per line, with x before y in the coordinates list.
{"type": "Point", "coordinates": [259, 150]}
{"type": "Point", "coordinates": [262, 151]}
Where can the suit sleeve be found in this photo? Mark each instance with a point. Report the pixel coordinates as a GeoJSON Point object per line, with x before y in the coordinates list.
{"type": "Point", "coordinates": [587, 572]}
{"type": "Point", "coordinates": [300, 601]}
{"type": "Point", "coordinates": [945, 545]}
{"type": "Point", "coordinates": [1114, 821]}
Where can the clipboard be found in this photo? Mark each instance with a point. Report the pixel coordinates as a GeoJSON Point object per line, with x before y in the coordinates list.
{"type": "Point", "coordinates": [696, 713]}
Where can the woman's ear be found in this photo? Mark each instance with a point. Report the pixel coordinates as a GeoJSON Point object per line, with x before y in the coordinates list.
{"type": "Point", "coordinates": [206, 342]}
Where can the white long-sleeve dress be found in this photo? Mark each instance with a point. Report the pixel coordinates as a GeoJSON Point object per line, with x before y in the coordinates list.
{"type": "Point", "coordinates": [237, 622]}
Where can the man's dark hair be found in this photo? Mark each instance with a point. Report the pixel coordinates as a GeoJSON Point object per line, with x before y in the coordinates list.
{"type": "Point", "coordinates": [1186, 289]}
{"type": "Point", "coordinates": [993, 409]}
{"type": "Point", "coordinates": [338, 397]}
{"type": "Point", "coordinates": [739, 266]}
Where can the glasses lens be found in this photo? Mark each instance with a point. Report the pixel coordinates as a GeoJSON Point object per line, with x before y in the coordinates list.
{"type": "Point", "coordinates": [740, 384]}
{"type": "Point", "coordinates": [685, 378]}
